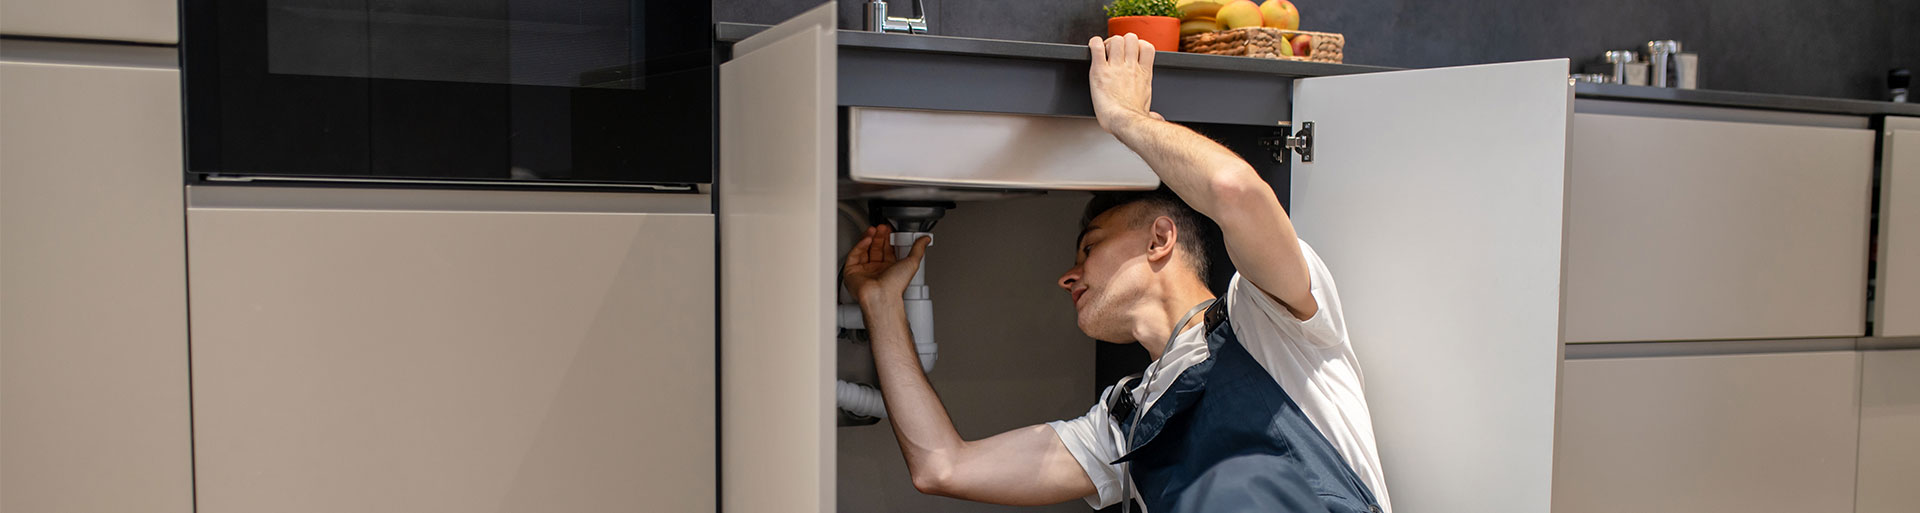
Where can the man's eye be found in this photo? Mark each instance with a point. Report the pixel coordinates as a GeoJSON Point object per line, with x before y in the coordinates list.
{"type": "Point", "coordinates": [1086, 250]}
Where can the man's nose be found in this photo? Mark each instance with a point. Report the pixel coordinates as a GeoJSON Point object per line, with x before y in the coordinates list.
{"type": "Point", "coordinates": [1071, 277]}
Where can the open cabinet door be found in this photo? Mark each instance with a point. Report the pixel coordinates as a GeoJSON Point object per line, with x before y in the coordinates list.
{"type": "Point", "coordinates": [775, 188]}
{"type": "Point", "coordinates": [1435, 197]}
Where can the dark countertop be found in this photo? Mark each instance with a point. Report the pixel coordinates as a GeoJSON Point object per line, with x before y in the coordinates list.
{"type": "Point", "coordinates": [1056, 53]}
{"type": "Point", "coordinates": [734, 32]}
{"type": "Point", "coordinates": [1744, 100]}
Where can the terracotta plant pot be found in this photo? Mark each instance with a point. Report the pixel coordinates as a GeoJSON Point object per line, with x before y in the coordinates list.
{"type": "Point", "coordinates": [1162, 31]}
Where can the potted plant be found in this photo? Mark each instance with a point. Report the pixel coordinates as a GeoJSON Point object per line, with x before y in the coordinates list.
{"type": "Point", "coordinates": [1155, 21]}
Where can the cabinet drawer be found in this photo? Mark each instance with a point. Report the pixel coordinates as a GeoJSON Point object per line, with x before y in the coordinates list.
{"type": "Point", "coordinates": [144, 21]}
{"type": "Point", "coordinates": [93, 308]}
{"type": "Point", "coordinates": [1897, 275]}
{"type": "Point", "coordinates": [1684, 229]}
{"type": "Point", "coordinates": [1889, 431]}
{"type": "Point", "coordinates": [1739, 433]}
{"type": "Point", "coordinates": [452, 361]}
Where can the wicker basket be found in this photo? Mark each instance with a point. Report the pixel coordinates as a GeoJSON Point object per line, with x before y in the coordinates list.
{"type": "Point", "coordinates": [1265, 43]}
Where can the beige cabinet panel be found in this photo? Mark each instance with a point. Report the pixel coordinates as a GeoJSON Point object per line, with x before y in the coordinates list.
{"type": "Point", "coordinates": [452, 361]}
{"type": "Point", "coordinates": [1463, 411]}
{"type": "Point", "coordinates": [1708, 434]}
{"type": "Point", "coordinates": [144, 21]}
{"type": "Point", "coordinates": [1889, 431]}
{"type": "Point", "coordinates": [776, 183]}
{"type": "Point", "coordinates": [1897, 291]}
{"type": "Point", "coordinates": [93, 334]}
{"type": "Point", "coordinates": [1687, 230]}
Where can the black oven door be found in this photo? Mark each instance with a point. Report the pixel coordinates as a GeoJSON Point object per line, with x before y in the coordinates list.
{"type": "Point", "coordinates": [546, 92]}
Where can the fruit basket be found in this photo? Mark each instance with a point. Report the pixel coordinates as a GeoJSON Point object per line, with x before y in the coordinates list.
{"type": "Point", "coordinates": [1265, 42]}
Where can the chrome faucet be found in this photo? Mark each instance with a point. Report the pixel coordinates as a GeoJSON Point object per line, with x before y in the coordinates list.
{"type": "Point", "coordinates": [878, 21]}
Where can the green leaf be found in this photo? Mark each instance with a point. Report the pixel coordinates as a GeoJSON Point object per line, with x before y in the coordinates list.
{"type": "Point", "coordinates": [1142, 8]}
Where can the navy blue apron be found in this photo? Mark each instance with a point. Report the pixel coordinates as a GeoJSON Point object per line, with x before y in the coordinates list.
{"type": "Point", "coordinates": [1241, 444]}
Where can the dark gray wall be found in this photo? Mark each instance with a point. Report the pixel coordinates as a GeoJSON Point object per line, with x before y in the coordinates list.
{"type": "Point", "coordinates": [1837, 48]}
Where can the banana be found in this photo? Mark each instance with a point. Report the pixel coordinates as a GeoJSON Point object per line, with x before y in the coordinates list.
{"type": "Point", "coordinates": [1196, 9]}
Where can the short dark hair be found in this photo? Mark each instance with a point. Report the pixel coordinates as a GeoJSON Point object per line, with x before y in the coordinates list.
{"type": "Point", "coordinates": [1196, 230]}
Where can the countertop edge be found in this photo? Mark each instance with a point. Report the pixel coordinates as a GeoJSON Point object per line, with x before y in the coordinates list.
{"type": "Point", "coordinates": [1029, 50]}
{"type": "Point", "coordinates": [1744, 100]}
{"type": "Point", "coordinates": [1000, 48]}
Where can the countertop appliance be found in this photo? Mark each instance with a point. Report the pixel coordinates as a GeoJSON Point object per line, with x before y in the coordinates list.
{"type": "Point", "coordinates": [603, 93]}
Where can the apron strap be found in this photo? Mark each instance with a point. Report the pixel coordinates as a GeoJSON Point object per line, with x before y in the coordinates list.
{"type": "Point", "coordinates": [1126, 482]}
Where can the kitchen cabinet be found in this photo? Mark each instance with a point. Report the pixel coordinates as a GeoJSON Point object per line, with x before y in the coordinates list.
{"type": "Point", "coordinates": [1425, 229]}
{"type": "Point", "coordinates": [1896, 309]}
{"type": "Point", "coordinates": [502, 351]}
{"type": "Point", "coordinates": [1889, 431]}
{"type": "Point", "coordinates": [1750, 433]}
{"type": "Point", "coordinates": [1692, 229]}
{"type": "Point", "coordinates": [93, 331]}
{"type": "Point", "coordinates": [140, 21]}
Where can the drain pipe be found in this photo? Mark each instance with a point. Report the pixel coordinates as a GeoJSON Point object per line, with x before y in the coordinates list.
{"type": "Point", "coordinates": [918, 301]}
{"type": "Point", "coordinates": [913, 220]}
{"type": "Point", "coordinates": [864, 400]}
{"type": "Point", "coordinates": [860, 399]}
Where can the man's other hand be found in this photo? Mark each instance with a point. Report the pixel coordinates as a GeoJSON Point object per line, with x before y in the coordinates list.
{"type": "Point", "coordinates": [1121, 79]}
{"type": "Point", "coordinates": [874, 273]}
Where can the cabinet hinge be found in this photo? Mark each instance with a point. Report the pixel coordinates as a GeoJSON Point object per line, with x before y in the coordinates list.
{"type": "Point", "coordinates": [1300, 142]}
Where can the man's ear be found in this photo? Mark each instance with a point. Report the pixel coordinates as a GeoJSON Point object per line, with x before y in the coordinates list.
{"type": "Point", "coordinates": [1164, 236]}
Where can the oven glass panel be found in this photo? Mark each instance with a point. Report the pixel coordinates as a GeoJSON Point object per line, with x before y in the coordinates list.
{"type": "Point", "coordinates": [588, 91]}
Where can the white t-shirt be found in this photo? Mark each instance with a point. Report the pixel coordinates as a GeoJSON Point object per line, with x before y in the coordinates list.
{"type": "Point", "coordinates": [1312, 360]}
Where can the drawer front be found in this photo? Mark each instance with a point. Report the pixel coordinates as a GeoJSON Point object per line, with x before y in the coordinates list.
{"type": "Point", "coordinates": [1756, 433]}
{"type": "Point", "coordinates": [1687, 230]}
{"type": "Point", "coordinates": [452, 361]}
{"type": "Point", "coordinates": [143, 21]}
{"type": "Point", "coordinates": [1889, 431]}
{"type": "Point", "coordinates": [1897, 275]}
{"type": "Point", "coordinates": [93, 314]}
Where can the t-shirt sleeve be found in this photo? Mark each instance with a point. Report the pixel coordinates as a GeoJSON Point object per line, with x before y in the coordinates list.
{"type": "Point", "coordinates": [1092, 440]}
{"type": "Point", "coordinates": [1324, 329]}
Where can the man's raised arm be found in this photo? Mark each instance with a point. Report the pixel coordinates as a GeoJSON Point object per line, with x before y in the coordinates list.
{"type": "Point", "coordinates": [1259, 236]}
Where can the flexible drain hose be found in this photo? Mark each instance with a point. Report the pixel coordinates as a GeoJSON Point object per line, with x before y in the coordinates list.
{"type": "Point", "coordinates": [860, 399]}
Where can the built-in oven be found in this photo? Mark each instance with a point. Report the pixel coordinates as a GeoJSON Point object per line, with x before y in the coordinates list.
{"type": "Point", "coordinates": [600, 93]}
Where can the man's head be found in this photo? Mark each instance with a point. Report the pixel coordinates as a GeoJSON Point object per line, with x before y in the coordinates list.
{"type": "Point", "coordinates": [1133, 248]}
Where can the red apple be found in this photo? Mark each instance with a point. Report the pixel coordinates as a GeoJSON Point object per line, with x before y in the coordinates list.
{"type": "Point", "coordinates": [1302, 45]}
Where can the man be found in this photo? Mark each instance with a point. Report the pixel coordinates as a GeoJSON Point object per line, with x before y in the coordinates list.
{"type": "Point", "coordinates": [1255, 406]}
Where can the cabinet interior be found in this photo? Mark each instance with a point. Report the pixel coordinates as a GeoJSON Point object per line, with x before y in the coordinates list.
{"type": "Point", "coordinates": [1011, 353]}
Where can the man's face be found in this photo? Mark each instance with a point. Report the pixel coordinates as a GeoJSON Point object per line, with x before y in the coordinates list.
{"type": "Point", "coordinates": [1110, 274]}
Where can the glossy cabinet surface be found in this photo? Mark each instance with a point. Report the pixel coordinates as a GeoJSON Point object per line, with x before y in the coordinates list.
{"type": "Point", "coordinates": [1755, 433]}
{"type": "Point", "coordinates": [1889, 431]}
{"type": "Point", "coordinates": [380, 360]}
{"type": "Point", "coordinates": [1419, 246]}
{"type": "Point", "coordinates": [93, 326]}
{"type": "Point", "coordinates": [776, 188]}
{"type": "Point", "coordinates": [141, 21]}
{"type": "Point", "coordinates": [1897, 280]}
{"type": "Point", "coordinates": [1684, 229]}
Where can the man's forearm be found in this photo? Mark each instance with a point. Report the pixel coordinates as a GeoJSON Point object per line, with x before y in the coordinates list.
{"type": "Point", "coordinates": [1259, 235]}
{"type": "Point", "coordinates": [927, 437]}
{"type": "Point", "coordinates": [1195, 167]}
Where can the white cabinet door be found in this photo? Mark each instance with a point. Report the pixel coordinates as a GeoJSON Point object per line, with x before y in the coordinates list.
{"type": "Point", "coordinates": [1889, 431]}
{"type": "Point", "coordinates": [93, 331]}
{"type": "Point", "coordinates": [417, 361]}
{"type": "Point", "coordinates": [776, 192]}
{"type": "Point", "coordinates": [144, 21]}
{"type": "Point", "coordinates": [1771, 433]}
{"type": "Point", "coordinates": [1435, 198]}
{"type": "Point", "coordinates": [1681, 229]}
{"type": "Point", "coordinates": [1897, 291]}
